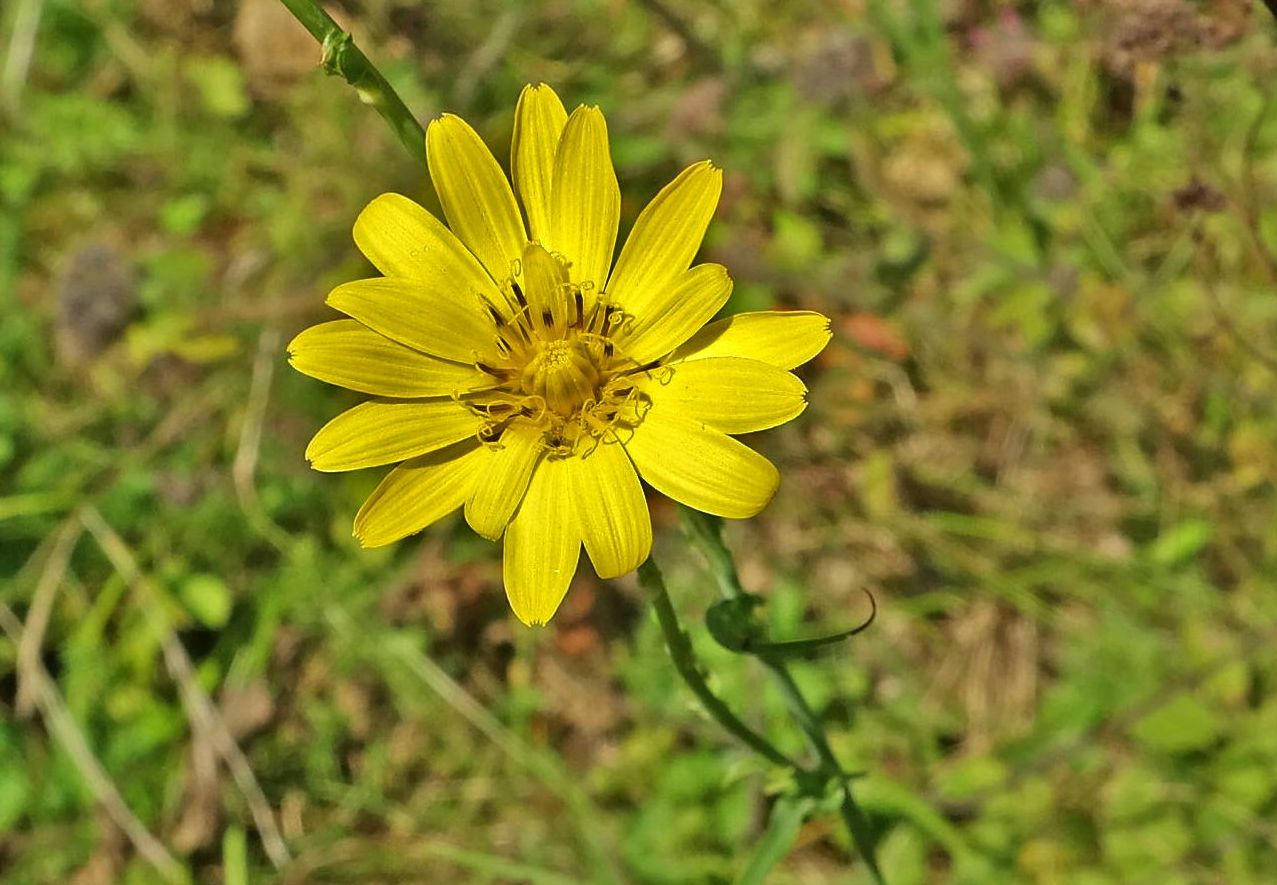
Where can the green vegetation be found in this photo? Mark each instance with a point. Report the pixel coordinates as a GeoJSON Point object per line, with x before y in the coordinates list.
{"type": "Point", "coordinates": [1044, 438]}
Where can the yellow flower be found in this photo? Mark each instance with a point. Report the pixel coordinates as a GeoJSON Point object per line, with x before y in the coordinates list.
{"type": "Point", "coordinates": [519, 374]}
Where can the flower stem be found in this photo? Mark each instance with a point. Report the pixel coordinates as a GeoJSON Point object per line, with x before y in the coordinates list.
{"type": "Point", "coordinates": [855, 820]}
{"type": "Point", "coordinates": [344, 59]}
{"type": "Point", "coordinates": [706, 533]}
{"type": "Point", "coordinates": [685, 662]}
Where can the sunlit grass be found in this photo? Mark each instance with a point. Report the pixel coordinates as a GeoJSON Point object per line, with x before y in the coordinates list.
{"type": "Point", "coordinates": [1038, 437]}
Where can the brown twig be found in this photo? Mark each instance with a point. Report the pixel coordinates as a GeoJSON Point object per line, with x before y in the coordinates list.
{"type": "Point", "coordinates": [201, 710]}
{"type": "Point", "coordinates": [1247, 193]}
{"type": "Point", "coordinates": [55, 569]}
{"type": "Point", "coordinates": [17, 62]}
{"type": "Point", "coordinates": [65, 730]}
{"type": "Point", "coordinates": [244, 467]}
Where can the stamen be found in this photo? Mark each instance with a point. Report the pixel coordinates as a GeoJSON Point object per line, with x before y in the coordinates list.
{"type": "Point", "coordinates": [641, 408]}
{"type": "Point", "coordinates": [535, 408]}
{"type": "Point", "coordinates": [630, 430]}
{"type": "Point", "coordinates": [490, 434]}
{"type": "Point", "coordinates": [646, 368]}
{"type": "Point", "coordinates": [558, 371]}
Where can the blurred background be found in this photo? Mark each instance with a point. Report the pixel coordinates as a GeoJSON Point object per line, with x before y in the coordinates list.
{"type": "Point", "coordinates": [1044, 438]}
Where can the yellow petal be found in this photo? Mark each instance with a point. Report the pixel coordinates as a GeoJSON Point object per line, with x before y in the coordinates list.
{"type": "Point", "coordinates": [701, 467]}
{"type": "Point", "coordinates": [378, 433]}
{"type": "Point", "coordinates": [665, 238]}
{"type": "Point", "coordinates": [538, 123]}
{"type": "Point", "coordinates": [475, 194]}
{"type": "Point", "coordinates": [542, 544]}
{"type": "Point", "coordinates": [783, 338]}
{"type": "Point", "coordinates": [586, 200]}
{"type": "Point", "coordinates": [543, 280]}
{"type": "Point", "coordinates": [678, 313]}
{"type": "Point", "coordinates": [418, 492]}
{"type": "Point", "coordinates": [500, 487]}
{"type": "Point", "coordinates": [404, 240]}
{"type": "Point", "coordinates": [423, 316]}
{"type": "Point", "coordinates": [611, 510]}
{"type": "Point", "coordinates": [730, 394]}
{"type": "Point", "coordinates": [351, 355]}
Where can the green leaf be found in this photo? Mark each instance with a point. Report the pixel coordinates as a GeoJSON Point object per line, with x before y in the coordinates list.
{"type": "Point", "coordinates": [903, 853]}
{"type": "Point", "coordinates": [221, 86]}
{"type": "Point", "coordinates": [878, 486]}
{"type": "Point", "coordinates": [207, 598]}
{"type": "Point", "coordinates": [1181, 726]}
{"type": "Point", "coordinates": [971, 776]}
{"type": "Point", "coordinates": [783, 826]}
{"type": "Point", "coordinates": [234, 857]}
{"type": "Point", "coordinates": [15, 787]}
{"type": "Point", "coordinates": [1248, 784]}
{"type": "Point", "coordinates": [183, 215]}
{"type": "Point", "coordinates": [797, 242]}
{"type": "Point", "coordinates": [1148, 849]}
{"type": "Point", "coordinates": [1133, 793]}
{"type": "Point", "coordinates": [1181, 543]}
{"type": "Point", "coordinates": [732, 623]}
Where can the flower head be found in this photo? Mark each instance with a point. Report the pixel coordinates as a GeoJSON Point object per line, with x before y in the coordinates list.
{"type": "Point", "coordinates": [521, 375]}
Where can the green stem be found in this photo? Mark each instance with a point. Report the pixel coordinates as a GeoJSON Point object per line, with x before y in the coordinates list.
{"type": "Point", "coordinates": [855, 820]}
{"type": "Point", "coordinates": [346, 60]}
{"type": "Point", "coordinates": [706, 533]}
{"type": "Point", "coordinates": [685, 662]}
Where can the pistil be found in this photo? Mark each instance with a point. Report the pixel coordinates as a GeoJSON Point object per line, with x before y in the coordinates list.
{"type": "Point", "coordinates": [559, 369]}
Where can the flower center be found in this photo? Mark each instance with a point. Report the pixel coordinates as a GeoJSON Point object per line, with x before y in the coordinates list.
{"type": "Point", "coordinates": [559, 371]}
{"type": "Point", "coordinates": [564, 374]}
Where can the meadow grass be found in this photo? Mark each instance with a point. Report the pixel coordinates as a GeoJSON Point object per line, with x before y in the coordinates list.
{"type": "Point", "coordinates": [1043, 437]}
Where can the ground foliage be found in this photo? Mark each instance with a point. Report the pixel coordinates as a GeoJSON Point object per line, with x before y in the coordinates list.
{"type": "Point", "coordinates": [1043, 437]}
